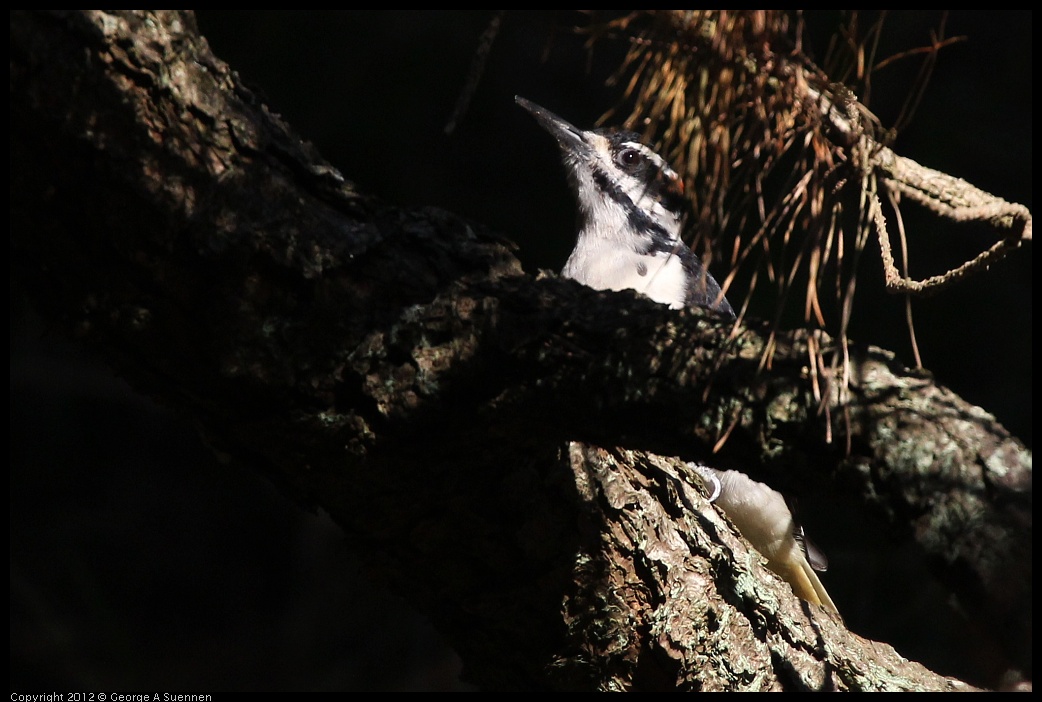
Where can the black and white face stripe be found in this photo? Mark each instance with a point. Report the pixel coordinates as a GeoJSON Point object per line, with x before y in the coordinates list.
{"type": "Point", "coordinates": [657, 179]}
{"type": "Point", "coordinates": [637, 179]}
{"type": "Point", "coordinates": [623, 170]}
{"type": "Point", "coordinates": [631, 206]}
{"type": "Point", "coordinates": [637, 218]}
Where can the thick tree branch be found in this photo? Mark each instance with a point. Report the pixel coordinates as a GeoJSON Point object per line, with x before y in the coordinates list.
{"type": "Point", "coordinates": [398, 369]}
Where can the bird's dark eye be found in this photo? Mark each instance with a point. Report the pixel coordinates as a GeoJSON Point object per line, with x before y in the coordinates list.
{"type": "Point", "coordinates": [630, 159]}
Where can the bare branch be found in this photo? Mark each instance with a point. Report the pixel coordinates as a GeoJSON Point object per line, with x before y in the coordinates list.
{"type": "Point", "coordinates": [397, 368]}
{"type": "Point", "coordinates": [944, 195]}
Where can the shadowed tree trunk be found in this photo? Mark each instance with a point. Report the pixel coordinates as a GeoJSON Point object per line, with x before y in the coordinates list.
{"type": "Point", "coordinates": [505, 451]}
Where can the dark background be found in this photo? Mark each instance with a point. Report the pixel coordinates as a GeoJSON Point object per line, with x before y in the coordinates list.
{"type": "Point", "coordinates": [138, 562]}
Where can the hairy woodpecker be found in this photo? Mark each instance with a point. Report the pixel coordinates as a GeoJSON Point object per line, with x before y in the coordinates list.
{"type": "Point", "coordinates": [631, 205]}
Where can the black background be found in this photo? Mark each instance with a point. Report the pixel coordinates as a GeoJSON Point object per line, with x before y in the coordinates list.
{"type": "Point", "coordinates": [139, 563]}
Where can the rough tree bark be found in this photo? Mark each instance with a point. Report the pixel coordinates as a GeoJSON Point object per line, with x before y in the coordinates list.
{"type": "Point", "coordinates": [397, 368]}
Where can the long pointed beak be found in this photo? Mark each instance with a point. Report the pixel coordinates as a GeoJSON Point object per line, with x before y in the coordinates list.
{"type": "Point", "coordinates": [571, 138]}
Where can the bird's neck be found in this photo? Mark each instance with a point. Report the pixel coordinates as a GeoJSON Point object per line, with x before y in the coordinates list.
{"type": "Point", "coordinates": [623, 223]}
